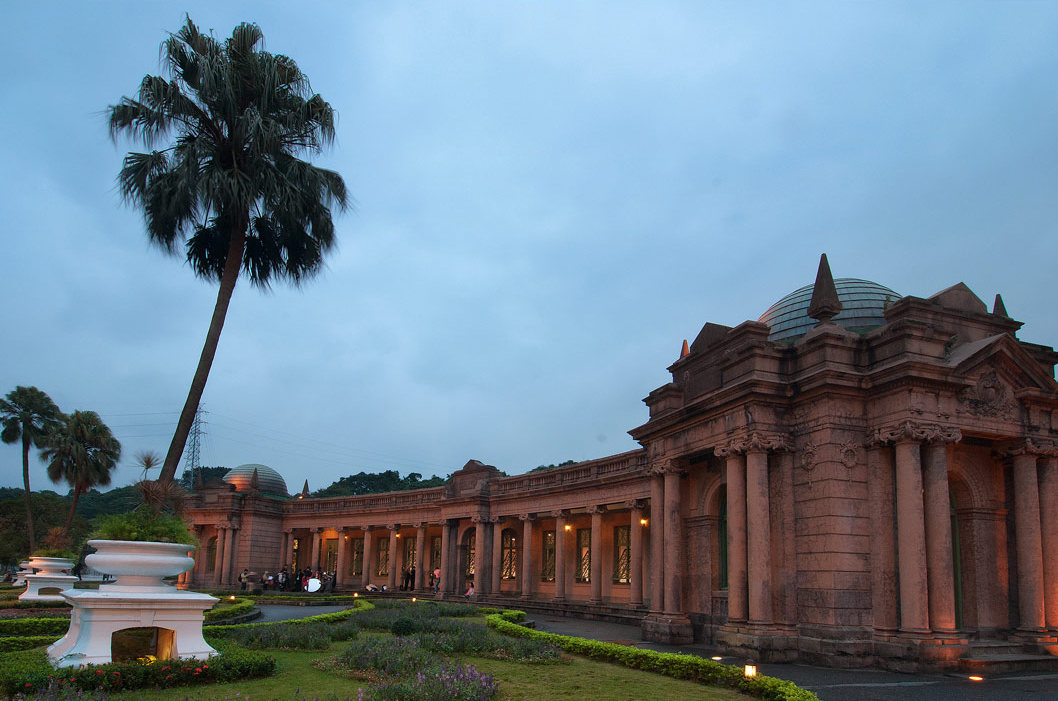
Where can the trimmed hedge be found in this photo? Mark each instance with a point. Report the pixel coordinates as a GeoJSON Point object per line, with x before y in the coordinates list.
{"type": "Point", "coordinates": [226, 608]}
{"type": "Point", "coordinates": [16, 604]}
{"type": "Point", "coordinates": [30, 670]}
{"type": "Point", "coordinates": [27, 642]}
{"type": "Point", "coordinates": [34, 626]}
{"type": "Point", "coordinates": [670, 664]}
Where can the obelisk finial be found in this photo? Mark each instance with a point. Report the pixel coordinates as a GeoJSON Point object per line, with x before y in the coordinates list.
{"type": "Point", "coordinates": [686, 350]}
{"type": "Point", "coordinates": [999, 309]}
{"type": "Point", "coordinates": [825, 303]}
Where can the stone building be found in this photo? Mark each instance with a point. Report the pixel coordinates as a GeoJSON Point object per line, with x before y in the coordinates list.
{"type": "Point", "coordinates": [855, 478]}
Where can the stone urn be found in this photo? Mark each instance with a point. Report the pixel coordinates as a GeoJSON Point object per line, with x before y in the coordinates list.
{"type": "Point", "coordinates": [139, 566]}
{"type": "Point", "coordinates": [51, 565]}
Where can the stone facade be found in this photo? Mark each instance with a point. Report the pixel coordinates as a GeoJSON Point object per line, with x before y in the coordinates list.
{"type": "Point", "coordinates": [864, 493]}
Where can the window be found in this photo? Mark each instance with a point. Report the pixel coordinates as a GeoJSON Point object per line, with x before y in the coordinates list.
{"type": "Point", "coordinates": [330, 555]}
{"type": "Point", "coordinates": [509, 554]}
{"type": "Point", "coordinates": [435, 553]}
{"type": "Point", "coordinates": [468, 550]}
{"type": "Point", "coordinates": [409, 553]}
{"type": "Point", "coordinates": [547, 567]}
{"type": "Point", "coordinates": [356, 562]}
{"type": "Point", "coordinates": [383, 557]}
{"type": "Point", "coordinates": [622, 554]}
{"type": "Point", "coordinates": [583, 554]}
{"type": "Point", "coordinates": [722, 535]}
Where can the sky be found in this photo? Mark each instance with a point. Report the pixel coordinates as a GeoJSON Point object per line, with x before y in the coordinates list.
{"type": "Point", "coordinates": [549, 198]}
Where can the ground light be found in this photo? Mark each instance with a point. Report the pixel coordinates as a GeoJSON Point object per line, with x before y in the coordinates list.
{"type": "Point", "coordinates": [231, 598]}
{"type": "Point", "coordinates": [717, 658]}
{"type": "Point", "coordinates": [750, 670]}
{"type": "Point", "coordinates": [976, 678]}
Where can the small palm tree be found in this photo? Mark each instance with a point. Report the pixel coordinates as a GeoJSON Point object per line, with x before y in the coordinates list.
{"type": "Point", "coordinates": [230, 185]}
{"type": "Point", "coordinates": [83, 452]}
{"type": "Point", "coordinates": [29, 415]}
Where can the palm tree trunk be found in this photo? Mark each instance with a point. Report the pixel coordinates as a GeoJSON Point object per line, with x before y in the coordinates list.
{"type": "Point", "coordinates": [232, 266]}
{"type": "Point", "coordinates": [73, 507]}
{"type": "Point", "coordinates": [25, 481]}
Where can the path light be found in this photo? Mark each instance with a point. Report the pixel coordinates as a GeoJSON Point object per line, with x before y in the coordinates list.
{"type": "Point", "coordinates": [750, 669]}
{"type": "Point", "coordinates": [716, 659]}
{"type": "Point", "coordinates": [976, 678]}
{"type": "Point", "coordinates": [356, 594]}
{"type": "Point", "coordinates": [231, 598]}
{"type": "Point", "coordinates": [413, 599]}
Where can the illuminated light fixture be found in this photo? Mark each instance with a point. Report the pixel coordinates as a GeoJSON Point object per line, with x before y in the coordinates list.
{"type": "Point", "coordinates": [976, 678]}
{"type": "Point", "coordinates": [356, 594]}
{"type": "Point", "coordinates": [750, 670]}
{"type": "Point", "coordinates": [642, 522]}
{"type": "Point", "coordinates": [569, 528]}
{"type": "Point", "coordinates": [398, 535]}
{"type": "Point", "coordinates": [231, 598]}
{"type": "Point", "coordinates": [413, 599]}
{"type": "Point", "coordinates": [716, 659]}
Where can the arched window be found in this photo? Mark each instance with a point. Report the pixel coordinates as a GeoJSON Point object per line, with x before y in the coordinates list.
{"type": "Point", "coordinates": [469, 543]}
{"type": "Point", "coordinates": [211, 554]}
{"type": "Point", "coordinates": [509, 553]}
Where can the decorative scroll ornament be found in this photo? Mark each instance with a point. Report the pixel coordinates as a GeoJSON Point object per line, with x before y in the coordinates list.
{"type": "Point", "coordinates": [913, 431]}
{"type": "Point", "coordinates": [592, 510]}
{"type": "Point", "coordinates": [476, 518]}
{"type": "Point", "coordinates": [808, 456]}
{"type": "Point", "coordinates": [559, 513]}
{"type": "Point", "coordinates": [664, 466]}
{"type": "Point", "coordinates": [1031, 446]}
{"type": "Point", "coordinates": [635, 504]}
{"type": "Point", "coordinates": [989, 397]}
{"type": "Point", "coordinates": [755, 442]}
{"type": "Point", "coordinates": [850, 454]}
{"type": "Point", "coordinates": [526, 517]}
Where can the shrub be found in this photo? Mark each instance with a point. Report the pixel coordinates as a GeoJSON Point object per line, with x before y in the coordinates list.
{"type": "Point", "coordinates": [27, 642]}
{"type": "Point", "coordinates": [405, 626]}
{"type": "Point", "coordinates": [34, 626]}
{"type": "Point", "coordinates": [459, 683]}
{"type": "Point", "coordinates": [143, 524]}
{"type": "Point", "coordinates": [282, 636]}
{"type": "Point", "coordinates": [54, 552]}
{"type": "Point", "coordinates": [229, 609]}
{"type": "Point", "coordinates": [392, 656]}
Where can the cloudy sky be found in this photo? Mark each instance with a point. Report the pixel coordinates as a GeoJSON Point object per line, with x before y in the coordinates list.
{"type": "Point", "coordinates": [550, 197]}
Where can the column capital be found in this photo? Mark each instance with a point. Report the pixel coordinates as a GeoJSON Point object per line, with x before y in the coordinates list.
{"type": "Point", "coordinates": [419, 525]}
{"type": "Point", "coordinates": [315, 530]}
{"type": "Point", "coordinates": [478, 518]}
{"type": "Point", "coordinates": [594, 509]}
{"type": "Point", "coordinates": [393, 527]}
{"type": "Point", "coordinates": [526, 517]}
{"type": "Point", "coordinates": [288, 531]}
{"type": "Point", "coordinates": [913, 431]}
{"type": "Point", "coordinates": [664, 466]}
{"type": "Point", "coordinates": [559, 513]}
{"type": "Point", "coordinates": [496, 519]}
{"type": "Point", "coordinates": [1029, 446]}
{"type": "Point", "coordinates": [368, 529]}
{"type": "Point", "coordinates": [635, 504]}
{"type": "Point", "coordinates": [222, 526]}
{"type": "Point", "coordinates": [341, 529]}
{"type": "Point", "coordinates": [755, 442]}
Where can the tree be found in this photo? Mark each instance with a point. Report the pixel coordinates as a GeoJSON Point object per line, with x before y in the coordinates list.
{"type": "Point", "coordinates": [230, 185]}
{"type": "Point", "coordinates": [187, 478]}
{"type": "Point", "coordinates": [83, 452]}
{"type": "Point", "coordinates": [29, 415]}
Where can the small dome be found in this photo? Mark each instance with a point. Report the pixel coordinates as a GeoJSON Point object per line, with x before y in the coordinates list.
{"type": "Point", "coordinates": [268, 480]}
{"type": "Point", "coordinates": [862, 308]}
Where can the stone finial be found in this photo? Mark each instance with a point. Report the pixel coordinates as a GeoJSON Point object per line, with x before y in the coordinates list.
{"type": "Point", "coordinates": [255, 481]}
{"type": "Point", "coordinates": [825, 303]}
{"type": "Point", "coordinates": [999, 309]}
{"type": "Point", "coordinates": [304, 490]}
{"type": "Point", "coordinates": [686, 350]}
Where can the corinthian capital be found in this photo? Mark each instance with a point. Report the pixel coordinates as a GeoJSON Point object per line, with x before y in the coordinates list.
{"type": "Point", "coordinates": [914, 431]}
{"type": "Point", "coordinates": [1030, 446]}
{"type": "Point", "coordinates": [755, 442]}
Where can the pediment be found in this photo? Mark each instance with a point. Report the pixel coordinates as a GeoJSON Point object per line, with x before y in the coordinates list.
{"type": "Point", "coordinates": [994, 370]}
{"type": "Point", "coordinates": [961, 298]}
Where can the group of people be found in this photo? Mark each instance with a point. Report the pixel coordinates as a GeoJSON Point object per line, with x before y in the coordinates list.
{"type": "Point", "coordinates": [284, 581]}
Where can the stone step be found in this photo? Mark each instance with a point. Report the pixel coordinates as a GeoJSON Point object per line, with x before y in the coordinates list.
{"type": "Point", "coordinates": [999, 656]}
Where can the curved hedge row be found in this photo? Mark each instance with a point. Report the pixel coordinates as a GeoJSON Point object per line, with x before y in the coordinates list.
{"type": "Point", "coordinates": [670, 664]}
{"type": "Point", "coordinates": [34, 626]}
{"type": "Point", "coordinates": [224, 610]}
{"type": "Point", "coordinates": [26, 642]}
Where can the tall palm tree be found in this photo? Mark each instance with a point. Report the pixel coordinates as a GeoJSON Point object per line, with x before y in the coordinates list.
{"type": "Point", "coordinates": [83, 452]}
{"type": "Point", "coordinates": [29, 415]}
{"type": "Point", "coordinates": [230, 184]}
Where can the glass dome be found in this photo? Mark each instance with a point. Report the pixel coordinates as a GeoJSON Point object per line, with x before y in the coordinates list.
{"type": "Point", "coordinates": [862, 305]}
{"type": "Point", "coordinates": [268, 480]}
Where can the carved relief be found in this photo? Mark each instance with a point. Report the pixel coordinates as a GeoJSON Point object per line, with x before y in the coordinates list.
{"type": "Point", "coordinates": [754, 442]}
{"type": "Point", "coordinates": [913, 431]}
{"type": "Point", "coordinates": [850, 454]}
{"type": "Point", "coordinates": [989, 397]}
{"type": "Point", "coordinates": [1031, 446]}
{"type": "Point", "coordinates": [808, 456]}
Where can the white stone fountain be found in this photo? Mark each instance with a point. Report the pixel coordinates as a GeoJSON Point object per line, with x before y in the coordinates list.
{"type": "Point", "coordinates": [51, 573]}
{"type": "Point", "coordinates": [138, 614]}
{"type": "Point", "coordinates": [23, 570]}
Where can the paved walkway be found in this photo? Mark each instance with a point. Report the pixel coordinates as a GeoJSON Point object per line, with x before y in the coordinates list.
{"type": "Point", "coordinates": [829, 684]}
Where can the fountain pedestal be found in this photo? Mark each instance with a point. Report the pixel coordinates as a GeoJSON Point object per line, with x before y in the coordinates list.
{"type": "Point", "coordinates": [51, 574]}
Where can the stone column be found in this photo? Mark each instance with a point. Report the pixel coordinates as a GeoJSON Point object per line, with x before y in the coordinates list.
{"type": "Point", "coordinates": [911, 537]}
{"type": "Point", "coordinates": [365, 578]}
{"type": "Point", "coordinates": [218, 560]}
{"type": "Point", "coordinates": [229, 539]}
{"type": "Point", "coordinates": [1029, 541]}
{"type": "Point", "coordinates": [940, 567]}
{"type": "Point", "coordinates": [527, 555]}
{"type": "Point", "coordinates": [394, 558]}
{"type": "Point", "coordinates": [657, 543]}
{"type": "Point", "coordinates": [560, 555]}
{"type": "Point", "coordinates": [446, 559]}
{"type": "Point", "coordinates": [737, 582]}
{"type": "Point", "coordinates": [635, 552]}
{"type": "Point", "coordinates": [882, 542]}
{"type": "Point", "coordinates": [758, 537]}
{"type": "Point", "coordinates": [596, 554]}
{"type": "Point", "coordinates": [314, 564]}
{"type": "Point", "coordinates": [673, 540]}
{"type": "Point", "coordinates": [343, 546]}
{"type": "Point", "coordinates": [497, 554]}
{"type": "Point", "coordinates": [1049, 521]}
{"type": "Point", "coordinates": [289, 550]}
{"type": "Point", "coordinates": [420, 557]}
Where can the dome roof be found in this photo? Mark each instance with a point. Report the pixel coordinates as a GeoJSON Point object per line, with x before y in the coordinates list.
{"type": "Point", "coordinates": [862, 305]}
{"type": "Point", "coordinates": [268, 480]}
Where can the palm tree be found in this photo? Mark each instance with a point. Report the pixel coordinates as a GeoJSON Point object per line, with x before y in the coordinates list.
{"type": "Point", "coordinates": [230, 184]}
{"type": "Point", "coordinates": [29, 415]}
{"type": "Point", "coordinates": [83, 452]}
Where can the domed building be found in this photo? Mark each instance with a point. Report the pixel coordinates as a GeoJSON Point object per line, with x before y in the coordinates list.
{"type": "Point", "coordinates": [856, 478]}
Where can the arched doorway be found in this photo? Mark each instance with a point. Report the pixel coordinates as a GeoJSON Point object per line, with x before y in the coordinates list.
{"type": "Point", "coordinates": [467, 551]}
